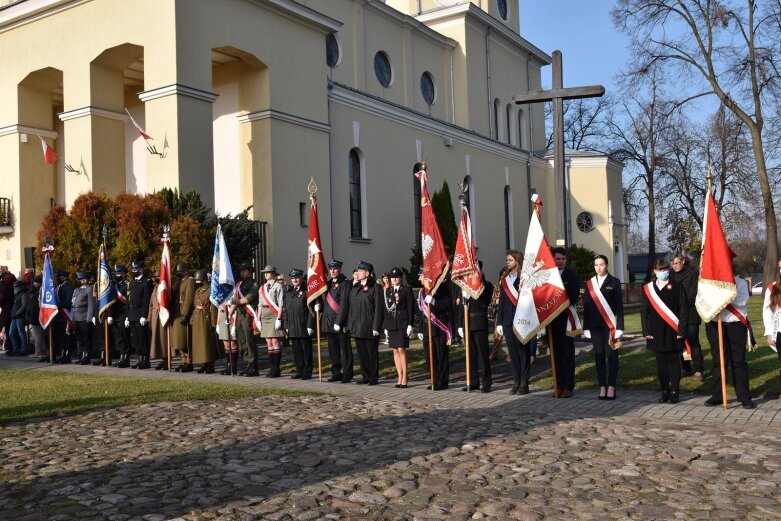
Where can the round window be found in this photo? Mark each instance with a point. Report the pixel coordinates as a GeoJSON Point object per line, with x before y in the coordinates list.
{"type": "Point", "coordinates": [585, 222]}
{"type": "Point", "coordinates": [331, 50]}
{"type": "Point", "coordinates": [427, 87]}
{"type": "Point", "coordinates": [502, 6]}
{"type": "Point", "coordinates": [382, 69]}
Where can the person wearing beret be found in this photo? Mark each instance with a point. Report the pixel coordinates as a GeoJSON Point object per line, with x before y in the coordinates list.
{"type": "Point", "coordinates": [333, 323]}
{"type": "Point", "coordinates": [139, 295]}
{"type": "Point", "coordinates": [270, 308]}
{"type": "Point", "coordinates": [83, 316]}
{"type": "Point", "coordinates": [398, 310]}
{"type": "Point", "coordinates": [364, 321]}
{"type": "Point", "coordinates": [299, 323]}
{"type": "Point", "coordinates": [245, 298]}
{"type": "Point", "coordinates": [63, 325]}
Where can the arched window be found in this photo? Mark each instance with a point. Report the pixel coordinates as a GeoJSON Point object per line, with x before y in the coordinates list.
{"type": "Point", "coordinates": [356, 194]}
{"type": "Point", "coordinates": [509, 122]}
{"type": "Point", "coordinates": [508, 218]}
{"type": "Point", "coordinates": [522, 129]}
{"type": "Point", "coordinates": [497, 116]}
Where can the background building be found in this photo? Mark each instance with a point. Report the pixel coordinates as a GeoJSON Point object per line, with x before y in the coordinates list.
{"type": "Point", "coordinates": [248, 99]}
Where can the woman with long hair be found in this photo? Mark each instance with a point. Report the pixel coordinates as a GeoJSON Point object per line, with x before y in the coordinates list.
{"type": "Point", "coordinates": [397, 322]}
{"type": "Point", "coordinates": [603, 323]}
{"type": "Point", "coordinates": [771, 314]}
{"type": "Point", "coordinates": [520, 354]}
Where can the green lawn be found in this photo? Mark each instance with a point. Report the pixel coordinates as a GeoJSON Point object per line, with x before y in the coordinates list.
{"type": "Point", "coordinates": [32, 394]}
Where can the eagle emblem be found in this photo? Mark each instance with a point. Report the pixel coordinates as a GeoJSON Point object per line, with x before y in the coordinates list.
{"type": "Point", "coordinates": [532, 274]}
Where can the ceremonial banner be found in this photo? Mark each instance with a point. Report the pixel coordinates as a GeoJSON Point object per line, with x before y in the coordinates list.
{"type": "Point", "coordinates": [144, 135]}
{"type": "Point", "coordinates": [541, 296]}
{"type": "Point", "coordinates": [316, 284]}
{"type": "Point", "coordinates": [107, 295]}
{"type": "Point", "coordinates": [465, 272]}
{"type": "Point", "coordinates": [435, 263]}
{"type": "Point", "coordinates": [164, 287]}
{"type": "Point", "coordinates": [49, 306]}
{"type": "Point", "coordinates": [717, 287]}
{"type": "Point", "coordinates": [49, 155]}
{"type": "Point", "coordinates": [222, 274]}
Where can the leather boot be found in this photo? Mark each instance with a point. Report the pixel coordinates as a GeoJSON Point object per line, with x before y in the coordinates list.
{"type": "Point", "coordinates": [276, 360]}
{"type": "Point", "coordinates": [124, 361]}
{"type": "Point", "coordinates": [252, 370]}
{"type": "Point", "coordinates": [162, 364]}
{"type": "Point", "coordinates": [137, 364]}
{"type": "Point", "coordinates": [524, 387]}
{"type": "Point", "coordinates": [85, 359]}
{"type": "Point", "coordinates": [231, 367]}
{"type": "Point", "coordinates": [65, 358]}
{"type": "Point", "coordinates": [144, 362]}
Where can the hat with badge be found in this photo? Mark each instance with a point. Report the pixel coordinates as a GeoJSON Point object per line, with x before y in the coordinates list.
{"type": "Point", "coordinates": [363, 265]}
{"type": "Point", "coordinates": [296, 273]}
{"type": "Point", "coordinates": [246, 265]}
{"type": "Point", "coordinates": [137, 265]}
{"type": "Point", "coordinates": [335, 263]}
{"type": "Point", "coordinates": [269, 269]}
{"type": "Point", "coordinates": [396, 272]}
{"type": "Point", "coordinates": [120, 269]}
{"type": "Point", "coordinates": [81, 276]}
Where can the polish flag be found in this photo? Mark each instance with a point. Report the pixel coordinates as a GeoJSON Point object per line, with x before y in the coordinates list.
{"type": "Point", "coordinates": [49, 155]}
{"type": "Point", "coordinates": [138, 127]}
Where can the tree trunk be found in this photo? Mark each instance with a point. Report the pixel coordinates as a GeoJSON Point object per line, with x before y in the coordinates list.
{"type": "Point", "coordinates": [651, 227]}
{"type": "Point", "coordinates": [770, 266]}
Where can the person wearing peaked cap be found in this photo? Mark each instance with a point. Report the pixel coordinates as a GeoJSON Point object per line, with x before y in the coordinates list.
{"type": "Point", "coordinates": [246, 266]}
{"type": "Point", "coordinates": [364, 321]}
{"type": "Point", "coordinates": [82, 314]}
{"type": "Point", "coordinates": [182, 295]}
{"type": "Point", "coordinates": [117, 313]}
{"type": "Point", "coordinates": [17, 333]}
{"type": "Point", "coordinates": [398, 312]}
{"type": "Point", "coordinates": [139, 295]}
{"type": "Point", "coordinates": [245, 298]}
{"type": "Point", "coordinates": [333, 324]}
{"type": "Point", "coordinates": [119, 268]}
{"type": "Point", "coordinates": [158, 339]}
{"type": "Point", "coordinates": [270, 308]}
{"type": "Point", "coordinates": [63, 325]}
{"type": "Point", "coordinates": [299, 323]}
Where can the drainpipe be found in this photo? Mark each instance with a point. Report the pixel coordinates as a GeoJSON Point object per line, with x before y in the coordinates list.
{"type": "Point", "coordinates": [529, 182]}
{"type": "Point", "coordinates": [452, 90]}
{"type": "Point", "coordinates": [529, 107]}
{"type": "Point", "coordinates": [419, 9]}
{"type": "Point", "coordinates": [488, 85]}
{"type": "Point", "coordinates": [330, 170]}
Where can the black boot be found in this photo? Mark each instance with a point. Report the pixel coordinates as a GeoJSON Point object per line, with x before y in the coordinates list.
{"type": "Point", "coordinates": [65, 358]}
{"type": "Point", "coordinates": [524, 387]}
{"type": "Point", "coordinates": [124, 361]}
{"type": "Point", "coordinates": [275, 371]}
{"type": "Point", "coordinates": [252, 370]}
{"type": "Point", "coordinates": [143, 362]}
{"type": "Point", "coordinates": [85, 359]}
{"type": "Point", "coordinates": [162, 364]}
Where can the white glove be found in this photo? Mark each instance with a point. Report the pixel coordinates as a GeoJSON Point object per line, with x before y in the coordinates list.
{"type": "Point", "coordinates": [310, 331]}
{"type": "Point", "coordinates": [67, 331]}
{"type": "Point", "coordinates": [420, 336]}
{"type": "Point", "coordinates": [375, 332]}
{"type": "Point", "coordinates": [386, 333]}
{"type": "Point", "coordinates": [337, 327]}
{"type": "Point", "coordinates": [110, 320]}
{"type": "Point", "coordinates": [499, 330]}
{"type": "Point", "coordinates": [409, 330]}
{"type": "Point", "coordinates": [429, 300]}
{"type": "Point", "coordinates": [587, 334]}
{"type": "Point", "coordinates": [619, 333]}
{"type": "Point", "coordinates": [465, 295]}
{"type": "Point", "coordinates": [142, 321]}
{"type": "Point", "coordinates": [94, 321]}
{"type": "Point", "coordinates": [461, 332]}
{"type": "Point", "coordinates": [278, 324]}
{"type": "Point", "coordinates": [127, 322]}
{"type": "Point", "coordinates": [318, 307]}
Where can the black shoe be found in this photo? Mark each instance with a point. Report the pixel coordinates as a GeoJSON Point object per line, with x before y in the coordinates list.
{"type": "Point", "coordinates": [665, 397]}
{"type": "Point", "coordinates": [306, 377]}
{"type": "Point", "coordinates": [749, 405]}
{"type": "Point", "coordinates": [250, 372]}
{"type": "Point", "coordinates": [524, 388]}
{"type": "Point", "coordinates": [471, 388]}
{"type": "Point", "coordinates": [186, 368]}
{"type": "Point", "coordinates": [144, 363]}
{"type": "Point", "coordinates": [486, 389]}
{"type": "Point", "coordinates": [201, 369]}
{"type": "Point", "coordinates": [161, 365]}
{"type": "Point", "coordinates": [374, 383]}
{"type": "Point", "coordinates": [674, 397]}
{"type": "Point", "coordinates": [296, 376]}
{"type": "Point", "coordinates": [398, 386]}
{"type": "Point", "coordinates": [361, 382]}
{"type": "Point", "coordinates": [515, 389]}
{"type": "Point", "coordinates": [43, 359]}
{"type": "Point", "coordinates": [85, 360]}
{"type": "Point", "coordinates": [347, 381]}
{"type": "Point", "coordinates": [335, 379]}
{"type": "Point", "coordinates": [403, 386]}
{"type": "Point", "coordinates": [123, 363]}
{"type": "Point", "coordinates": [713, 401]}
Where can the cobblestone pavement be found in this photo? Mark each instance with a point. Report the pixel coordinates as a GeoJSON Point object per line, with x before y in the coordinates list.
{"type": "Point", "coordinates": [383, 453]}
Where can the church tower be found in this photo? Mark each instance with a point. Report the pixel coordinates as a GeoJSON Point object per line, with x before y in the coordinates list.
{"type": "Point", "coordinates": [505, 11]}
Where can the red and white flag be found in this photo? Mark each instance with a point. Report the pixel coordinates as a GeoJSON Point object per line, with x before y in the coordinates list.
{"type": "Point", "coordinates": [541, 296]}
{"type": "Point", "coordinates": [316, 284]}
{"type": "Point", "coordinates": [164, 288]}
{"type": "Point", "coordinates": [144, 135]}
{"type": "Point", "coordinates": [466, 272]}
{"type": "Point", "coordinates": [717, 287]}
{"type": "Point", "coordinates": [435, 263]}
{"type": "Point", "coordinates": [49, 155]}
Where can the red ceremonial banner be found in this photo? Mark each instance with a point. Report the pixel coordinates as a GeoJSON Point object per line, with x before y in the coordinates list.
{"type": "Point", "coordinates": [435, 263]}
{"type": "Point", "coordinates": [316, 284]}
{"type": "Point", "coordinates": [466, 272]}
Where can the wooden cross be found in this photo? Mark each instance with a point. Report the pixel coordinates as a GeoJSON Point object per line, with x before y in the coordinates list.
{"type": "Point", "coordinates": [557, 94]}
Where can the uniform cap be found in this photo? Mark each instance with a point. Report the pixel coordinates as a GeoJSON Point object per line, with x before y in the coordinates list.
{"type": "Point", "coordinates": [182, 267]}
{"type": "Point", "coordinates": [120, 269]}
{"type": "Point", "coordinates": [81, 276]}
{"type": "Point", "coordinates": [62, 273]}
{"type": "Point", "coordinates": [269, 269]}
{"type": "Point", "coordinates": [296, 273]}
{"type": "Point", "coordinates": [137, 265]}
{"type": "Point", "coordinates": [335, 263]}
{"type": "Point", "coordinates": [246, 266]}
{"type": "Point", "coordinates": [396, 272]}
{"type": "Point", "coordinates": [200, 276]}
{"type": "Point", "coordinates": [363, 265]}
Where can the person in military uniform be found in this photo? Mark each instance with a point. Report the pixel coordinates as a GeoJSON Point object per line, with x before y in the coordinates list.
{"type": "Point", "coordinates": [333, 322]}
{"type": "Point", "coordinates": [299, 323]}
{"type": "Point", "coordinates": [245, 298]}
{"type": "Point", "coordinates": [364, 321]}
{"type": "Point", "coordinates": [479, 348]}
{"type": "Point", "coordinates": [117, 315]}
{"type": "Point", "coordinates": [564, 345]}
{"type": "Point", "coordinates": [202, 322]}
{"type": "Point", "coordinates": [32, 316]}
{"type": "Point", "coordinates": [441, 305]}
{"type": "Point", "coordinates": [83, 316]}
{"type": "Point", "coordinates": [139, 295]}
{"type": "Point", "coordinates": [398, 311]}
{"type": "Point", "coordinates": [158, 337]}
{"type": "Point", "coordinates": [63, 325]}
{"type": "Point", "coordinates": [271, 297]}
{"type": "Point", "coordinates": [182, 295]}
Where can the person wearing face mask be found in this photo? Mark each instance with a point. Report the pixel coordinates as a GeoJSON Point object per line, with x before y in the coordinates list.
{"type": "Point", "coordinates": [202, 322]}
{"type": "Point", "coordinates": [365, 321]}
{"type": "Point", "coordinates": [139, 295]}
{"type": "Point", "coordinates": [83, 316]}
{"type": "Point", "coordinates": [120, 334]}
{"type": "Point", "coordinates": [299, 323]}
{"type": "Point", "coordinates": [603, 324]}
{"type": "Point", "coordinates": [771, 315]}
{"type": "Point", "coordinates": [664, 314]}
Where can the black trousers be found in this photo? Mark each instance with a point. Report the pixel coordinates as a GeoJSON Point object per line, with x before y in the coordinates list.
{"type": "Point", "coordinates": [607, 373]}
{"type": "Point", "coordinates": [479, 351]}
{"type": "Point", "coordinates": [563, 354]}
{"type": "Point", "coordinates": [668, 369]}
{"type": "Point", "coordinates": [83, 338]}
{"type": "Point", "coordinates": [62, 341]}
{"type": "Point", "coordinates": [734, 335]}
{"type": "Point", "coordinates": [302, 355]}
{"type": "Point", "coordinates": [140, 336]}
{"type": "Point", "coordinates": [520, 356]}
{"type": "Point", "coordinates": [120, 336]}
{"type": "Point", "coordinates": [369, 358]}
{"type": "Point", "coordinates": [441, 354]}
{"type": "Point", "coordinates": [697, 364]}
{"type": "Point", "coordinates": [341, 354]}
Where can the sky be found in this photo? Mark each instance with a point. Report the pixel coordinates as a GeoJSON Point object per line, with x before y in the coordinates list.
{"type": "Point", "coordinates": [593, 51]}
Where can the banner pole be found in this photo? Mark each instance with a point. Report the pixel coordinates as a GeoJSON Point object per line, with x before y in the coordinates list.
{"type": "Point", "coordinates": [430, 348]}
{"type": "Point", "coordinates": [552, 362]}
{"type": "Point", "coordinates": [722, 369]}
{"type": "Point", "coordinates": [51, 345]}
{"type": "Point", "coordinates": [466, 344]}
{"type": "Point", "coordinates": [105, 343]}
{"type": "Point", "coordinates": [168, 344]}
{"type": "Point", "coordinates": [319, 359]}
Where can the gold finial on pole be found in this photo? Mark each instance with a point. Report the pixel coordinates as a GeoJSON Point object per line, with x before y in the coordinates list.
{"type": "Point", "coordinates": [709, 176]}
{"type": "Point", "coordinates": [312, 187]}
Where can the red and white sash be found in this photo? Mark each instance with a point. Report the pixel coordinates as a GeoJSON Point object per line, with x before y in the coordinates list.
{"type": "Point", "coordinates": [603, 307]}
{"type": "Point", "coordinates": [269, 302]}
{"type": "Point", "coordinates": [743, 320]}
{"type": "Point", "coordinates": [666, 313]}
{"type": "Point", "coordinates": [510, 291]}
{"type": "Point", "coordinates": [249, 309]}
{"type": "Point", "coordinates": [574, 327]}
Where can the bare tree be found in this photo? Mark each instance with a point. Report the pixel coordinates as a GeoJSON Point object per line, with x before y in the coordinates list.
{"type": "Point", "coordinates": [585, 123]}
{"type": "Point", "coordinates": [723, 48]}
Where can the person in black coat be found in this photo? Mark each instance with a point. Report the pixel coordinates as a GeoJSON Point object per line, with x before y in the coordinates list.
{"type": "Point", "coordinates": [665, 341]}
{"type": "Point", "coordinates": [479, 349]}
{"type": "Point", "coordinates": [689, 277]}
{"type": "Point", "coordinates": [299, 324]}
{"type": "Point", "coordinates": [63, 332]}
{"type": "Point", "coordinates": [520, 354]}
{"type": "Point", "coordinates": [333, 322]}
{"type": "Point", "coordinates": [564, 345]}
{"type": "Point", "coordinates": [117, 314]}
{"type": "Point", "coordinates": [596, 328]}
{"type": "Point", "coordinates": [441, 305]}
{"type": "Point", "coordinates": [364, 321]}
{"type": "Point", "coordinates": [138, 297]}
{"type": "Point", "coordinates": [398, 309]}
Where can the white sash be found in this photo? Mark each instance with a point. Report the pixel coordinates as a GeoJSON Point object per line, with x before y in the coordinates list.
{"type": "Point", "coordinates": [602, 306]}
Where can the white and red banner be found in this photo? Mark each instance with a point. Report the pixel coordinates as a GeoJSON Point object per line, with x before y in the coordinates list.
{"type": "Point", "coordinates": [49, 155]}
{"type": "Point", "coordinates": [717, 287]}
{"type": "Point", "coordinates": [316, 284]}
{"type": "Point", "coordinates": [164, 287]}
{"type": "Point", "coordinates": [144, 135]}
{"type": "Point", "coordinates": [465, 271]}
{"type": "Point", "coordinates": [541, 296]}
{"type": "Point", "coordinates": [435, 263]}
{"type": "Point", "coordinates": [574, 327]}
{"type": "Point", "coordinates": [48, 304]}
